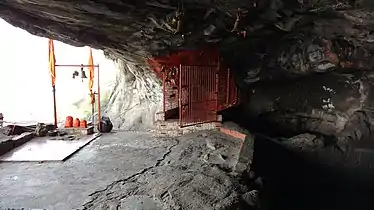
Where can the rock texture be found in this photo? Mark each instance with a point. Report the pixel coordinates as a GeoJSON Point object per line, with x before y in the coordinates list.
{"type": "Point", "coordinates": [302, 66]}
{"type": "Point", "coordinates": [130, 29]}
{"type": "Point", "coordinates": [189, 175]}
{"type": "Point", "coordinates": [335, 107]}
{"type": "Point", "coordinates": [135, 98]}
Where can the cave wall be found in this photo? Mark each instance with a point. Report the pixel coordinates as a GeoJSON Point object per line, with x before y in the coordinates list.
{"type": "Point", "coordinates": [136, 95]}
{"type": "Point", "coordinates": [284, 40]}
{"type": "Point", "coordinates": [135, 98]}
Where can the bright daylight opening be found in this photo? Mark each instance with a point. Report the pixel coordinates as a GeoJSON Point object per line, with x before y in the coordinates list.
{"type": "Point", "coordinates": [26, 92]}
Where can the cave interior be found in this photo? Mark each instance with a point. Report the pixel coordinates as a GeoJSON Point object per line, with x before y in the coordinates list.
{"type": "Point", "coordinates": [301, 66]}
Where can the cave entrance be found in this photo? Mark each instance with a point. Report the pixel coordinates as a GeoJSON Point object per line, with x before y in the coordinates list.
{"type": "Point", "coordinates": [196, 86]}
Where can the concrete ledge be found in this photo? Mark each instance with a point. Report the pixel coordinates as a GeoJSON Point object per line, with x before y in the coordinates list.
{"type": "Point", "coordinates": [16, 141]}
{"type": "Point", "coordinates": [233, 133]}
{"type": "Point", "coordinates": [245, 156]}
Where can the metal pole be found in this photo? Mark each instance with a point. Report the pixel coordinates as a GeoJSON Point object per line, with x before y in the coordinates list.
{"type": "Point", "coordinates": [98, 99]}
{"type": "Point", "coordinates": [92, 96]}
{"type": "Point", "coordinates": [54, 105]}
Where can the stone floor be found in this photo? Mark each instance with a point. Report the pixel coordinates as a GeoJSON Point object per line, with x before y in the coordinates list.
{"type": "Point", "coordinates": [101, 171]}
{"type": "Point", "coordinates": [66, 185]}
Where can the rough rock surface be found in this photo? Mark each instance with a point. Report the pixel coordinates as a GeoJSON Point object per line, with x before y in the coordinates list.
{"type": "Point", "coordinates": [135, 99]}
{"type": "Point", "coordinates": [189, 176]}
{"type": "Point", "coordinates": [309, 60]}
{"type": "Point", "coordinates": [333, 107]}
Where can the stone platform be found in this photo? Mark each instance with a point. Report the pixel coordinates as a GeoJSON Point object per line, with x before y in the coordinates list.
{"type": "Point", "coordinates": [42, 149]}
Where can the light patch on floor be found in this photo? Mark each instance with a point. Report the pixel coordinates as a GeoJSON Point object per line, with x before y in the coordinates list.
{"type": "Point", "coordinates": [46, 149]}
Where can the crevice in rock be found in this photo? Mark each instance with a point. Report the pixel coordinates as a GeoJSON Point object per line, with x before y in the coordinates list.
{"type": "Point", "coordinates": [123, 181]}
{"type": "Point", "coordinates": [135, 98]}
{"type": "Point", "coordinates": [181, 180]}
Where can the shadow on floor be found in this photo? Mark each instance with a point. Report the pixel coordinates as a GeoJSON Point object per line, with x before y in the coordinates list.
{"type": "Point", "coordinates": [292, 182]}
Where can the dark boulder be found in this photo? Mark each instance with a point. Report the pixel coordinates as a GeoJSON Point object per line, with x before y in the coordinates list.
{"type": "Point", "coordinates": [106, 125]}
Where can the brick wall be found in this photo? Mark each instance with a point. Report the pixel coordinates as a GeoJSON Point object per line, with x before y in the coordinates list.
{"type": "Point", "coordinates": [171, 98]}
{"type": "Point", "coordinates": [159, 116]}
{"type": "Point", "coordinates": [172, 127]}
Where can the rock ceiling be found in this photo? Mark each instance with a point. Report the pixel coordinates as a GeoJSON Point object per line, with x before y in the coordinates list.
{"type": "Point", "coordinates": [137, 29]}
{"type": "Point", "coordinates": [272, 39]}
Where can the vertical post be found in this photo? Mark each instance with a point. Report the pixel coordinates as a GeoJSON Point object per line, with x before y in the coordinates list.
{"type": "Point", "coordinates": [92, 96]}
{"type": "Point", "coordinates": [54, 105]}
{"type": "Point", "coordinates": [217, 87]}
{"type": "Point", "coordinates": [164, 93]}
{"type": "Point", "coordinates": [98, 99]}
{"type": "Point", "coordinates": [180, 96]}
{"type": "Point", "coordinates": [228, 88]}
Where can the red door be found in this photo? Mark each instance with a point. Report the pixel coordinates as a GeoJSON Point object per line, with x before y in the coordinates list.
{"type": "Point", "coordinates": [198, 87]}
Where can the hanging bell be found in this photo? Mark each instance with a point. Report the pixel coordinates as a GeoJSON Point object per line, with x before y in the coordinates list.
{"type": "Point", "coordinates": [75, 74]}
{"type": "Point", "coordinates": [83, 74]}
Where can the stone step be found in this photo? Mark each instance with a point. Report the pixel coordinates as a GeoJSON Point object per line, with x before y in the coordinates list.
{"type": "Point", "coordinates": [173, 129]}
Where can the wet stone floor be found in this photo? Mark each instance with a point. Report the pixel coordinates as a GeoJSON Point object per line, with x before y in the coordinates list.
{"type": "Point", "coordinates": [128, 170]}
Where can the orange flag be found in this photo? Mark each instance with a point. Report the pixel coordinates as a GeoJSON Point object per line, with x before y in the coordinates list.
{"type": "Point", "coordinates": [52, 61]}
{"type": "Point", "coordinates": [92, 73]}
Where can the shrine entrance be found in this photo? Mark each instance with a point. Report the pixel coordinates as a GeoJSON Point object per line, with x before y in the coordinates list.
{"type": "Point", "coordinates": [196, 86]}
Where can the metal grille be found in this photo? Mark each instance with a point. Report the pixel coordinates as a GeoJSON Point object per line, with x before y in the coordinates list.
{"type": "Point", "coordinates": [227, 91]}
{"type": "Point", "coordinates": [198, 87]}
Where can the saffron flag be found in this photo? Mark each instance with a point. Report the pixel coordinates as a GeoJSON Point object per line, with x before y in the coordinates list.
{"type": "Point", "coordinates": [52, 61]}
{"type": "Point", "coordinates": [91, 78]}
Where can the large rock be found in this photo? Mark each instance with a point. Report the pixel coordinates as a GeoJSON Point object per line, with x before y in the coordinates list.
{"type": "Point", "coordinates": [335, 109]}
{"type": "Point", "coordinates": [322, 103]}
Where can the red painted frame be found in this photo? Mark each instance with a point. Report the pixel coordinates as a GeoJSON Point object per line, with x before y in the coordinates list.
{"type": "Point", "coordinates": [193, 98]}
